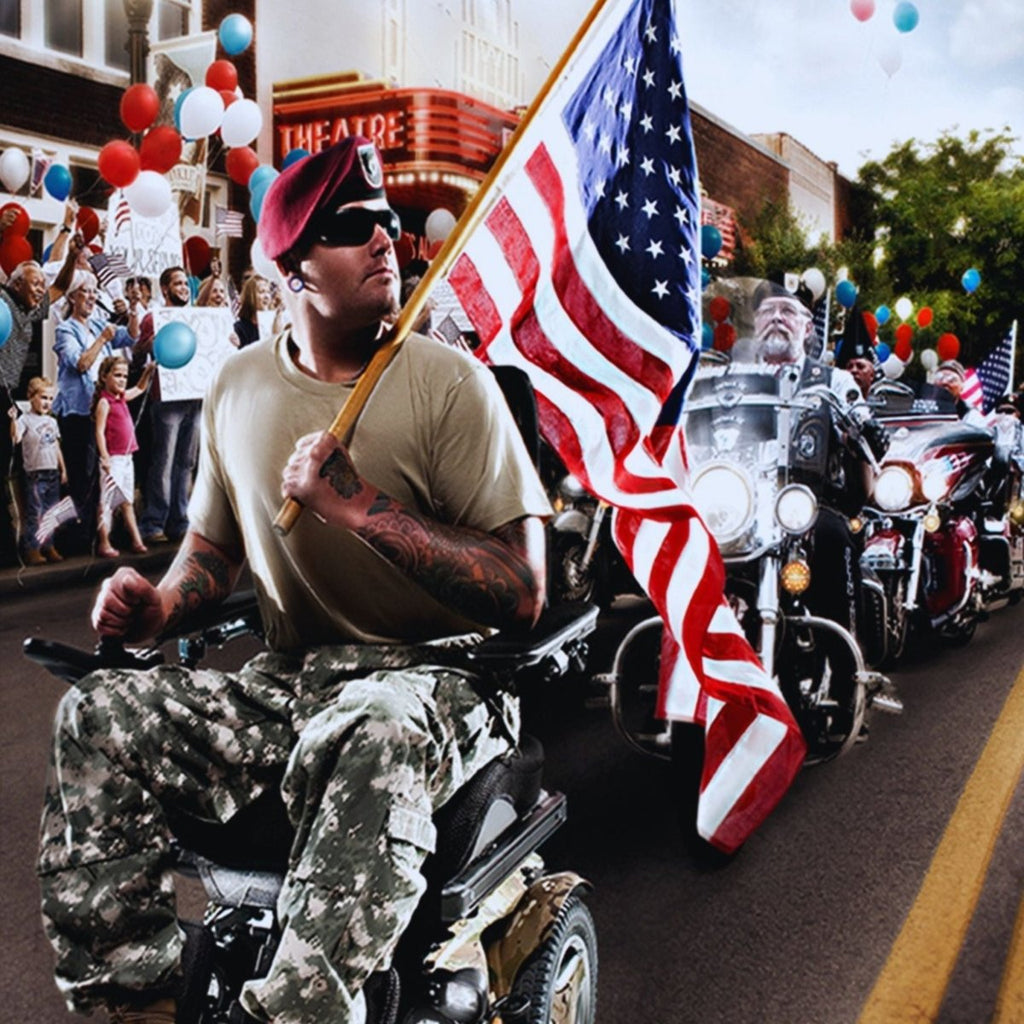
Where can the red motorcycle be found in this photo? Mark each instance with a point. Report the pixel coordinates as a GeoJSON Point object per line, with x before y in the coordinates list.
{"type": "Point", "coordinates": [929, 536]}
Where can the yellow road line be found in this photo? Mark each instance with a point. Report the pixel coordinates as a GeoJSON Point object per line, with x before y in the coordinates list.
{"type": "Point", "coordinates": [1010, 1004]}
{"type": "Point", "coordinates": [913, 981]}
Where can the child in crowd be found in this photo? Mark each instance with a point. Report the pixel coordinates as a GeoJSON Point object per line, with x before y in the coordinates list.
{"type": "Point", "coordinates": [43, 464]}
{"type": "Point", "coordinates": [115, 442]}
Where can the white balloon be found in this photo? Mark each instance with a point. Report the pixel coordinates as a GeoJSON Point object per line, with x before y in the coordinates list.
{"type": "Point", "coordinates": [13, 168]}
{"type": "Point", "coordinates": [893, 367]}
{"type": "Point", "coordinates": [439, 224]}
{"type": "Point", "coordinates": [929, 358]}
{"type": "Point", "coordinates": [815, 281]}
{"type": "Point", "coordinates": [261, 263]}
{"type": "Point", "coordinates": [202, 111]}
{"type": "Point", "coordinates": [890, 57]}
{"type": "Point", "coordinates": [149, 194]}
{"type": "Point", "coordinates": [904, 307]}
{"type": "Point", "coordinates": [242, 123]}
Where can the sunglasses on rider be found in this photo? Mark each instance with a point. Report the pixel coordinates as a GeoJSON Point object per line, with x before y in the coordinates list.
{"type": "Point", "coordinates": [354, 225]}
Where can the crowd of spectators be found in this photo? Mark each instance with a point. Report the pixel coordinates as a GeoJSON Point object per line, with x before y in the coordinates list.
{"type": "Point", "coordinates": [103, 425]}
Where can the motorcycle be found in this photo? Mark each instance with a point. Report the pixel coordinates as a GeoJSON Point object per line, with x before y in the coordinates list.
{"type": "Point", "coordinates": [759, 448]}
{"type": "Point", "coordinates": [496, 935]}
{"type": "Point", "coordinates": [933, 534]}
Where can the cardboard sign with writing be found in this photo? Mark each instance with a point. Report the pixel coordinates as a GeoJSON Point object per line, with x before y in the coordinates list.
{"type": "Point", "coordinates": [212, 327]}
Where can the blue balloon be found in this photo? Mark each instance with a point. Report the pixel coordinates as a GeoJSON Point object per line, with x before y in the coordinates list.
{"type": "Point", "coordinates": [256, 199]}
{"type": "Point", "coordinates": [263, 174]}
{"type": "Point", "coordinates": [235, 33]}
{"type": "Point", "coordinates": [46, 253]}
{"type": "Point", "coordinates": [193, 286]}
{"type": "Point", "coordinates": [6, 323]}
{"type": "Point", "coordinates": [882, 315]}
{"type": "Point", "coordinates": [882, 351]}
{"type": "Point", "coordinates": [57, 182]}
{"type": "Point", "coordinates": [970, 280]}
{"type": "Point", "coordinates": [705, 277]}
{"type": "Point", "coordinates": [707, 336]}
{"type": "Point", "coordinates": [177, 107]}
{"type": "Point", "coordinates": [905, 16]}
{"type": "Point", "coordinates": [846, 294]}
{"type": "Point", "coordinates": [710, 241]}
{"type": "Point", "coordinates": [174, 345]}
{"type": "Point", "coordinates": [293, 157]}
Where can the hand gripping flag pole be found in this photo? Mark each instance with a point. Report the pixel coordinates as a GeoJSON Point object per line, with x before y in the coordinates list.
{"type": "Point", "coordinates": [345, 421]}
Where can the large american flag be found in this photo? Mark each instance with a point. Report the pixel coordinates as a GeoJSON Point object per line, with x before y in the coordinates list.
{"type": "Point", "coordinates": [991, 379]}
{"type": "Point", "coordinates": [585, 272]}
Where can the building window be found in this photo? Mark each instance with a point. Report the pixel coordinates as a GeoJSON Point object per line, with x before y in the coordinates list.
{"type": "Point", "coordinates": [63, 23]}
{"type": "Point", "coordinates": [115, 29]}
{"type": "Point", "coordinates": [10, 18]}
{"type": "Point", "coordinates": [172, 19]}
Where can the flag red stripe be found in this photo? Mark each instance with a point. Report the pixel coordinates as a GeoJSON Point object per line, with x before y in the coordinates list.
{"type": "Point", "coordinates": [476, 300]}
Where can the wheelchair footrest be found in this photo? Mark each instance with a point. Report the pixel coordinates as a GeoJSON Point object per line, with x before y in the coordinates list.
{"type": "Point", "coordinates": [478, 878]}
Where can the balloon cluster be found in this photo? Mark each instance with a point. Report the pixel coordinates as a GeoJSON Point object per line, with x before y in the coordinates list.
{"type": "Point", "coordinates": [215, 106]}
{"type": "Point", "coordinates": [895, 357]}
{"type": "Point", "coordinates": [721, 336]}
{"type": "Point", "coordinates": [904, 17]}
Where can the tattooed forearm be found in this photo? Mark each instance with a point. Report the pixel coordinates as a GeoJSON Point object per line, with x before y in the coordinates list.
{"type": "Point", "coordinates": [479, 575]}
{"type": "Point", "coordinates": [204, 577]}
{"type": "Point", "coordinates": [341, 474]}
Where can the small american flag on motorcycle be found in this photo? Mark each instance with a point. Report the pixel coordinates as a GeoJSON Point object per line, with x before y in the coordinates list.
{"type": "Point", "coordinates": [985, 384]}
{"type": "Point", "coordinates": [585, 272]}
{"type": "Point", "coordinates": [228, 222]}
{"type": "Point", "coordinates": [61, 512]}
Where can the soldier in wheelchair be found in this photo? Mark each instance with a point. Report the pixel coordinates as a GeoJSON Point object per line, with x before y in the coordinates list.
{"type": "Point", "coordinates": [426, 525]}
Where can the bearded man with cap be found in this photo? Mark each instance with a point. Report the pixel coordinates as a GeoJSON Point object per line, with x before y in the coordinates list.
{"type": "Point", "coordinates": [856, 354]}
{"type": "Point", "coordinates": [427, 524]}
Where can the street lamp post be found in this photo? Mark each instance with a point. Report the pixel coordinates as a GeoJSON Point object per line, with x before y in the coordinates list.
{"type": "Point", "coordinates": [138, 12]}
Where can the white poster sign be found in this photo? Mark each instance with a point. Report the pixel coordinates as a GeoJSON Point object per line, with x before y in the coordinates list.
{"type": "Point", "coordinates": [149, 245]}
{"type": "Point", "coordinates": [212, 327]}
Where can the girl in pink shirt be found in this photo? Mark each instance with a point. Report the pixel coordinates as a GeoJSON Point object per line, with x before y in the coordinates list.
{"type": "Point", "coordinates": [115, 442]}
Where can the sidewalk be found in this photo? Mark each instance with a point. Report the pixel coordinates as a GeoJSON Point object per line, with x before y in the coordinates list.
{"type": "Point", "coordinates": [16, 581]}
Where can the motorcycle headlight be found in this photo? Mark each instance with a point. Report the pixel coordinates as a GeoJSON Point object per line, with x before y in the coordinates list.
{"type": "Point", "coordinates": [725, 499]}
{"type": "Point", "coordinates": [893, 489]}
{"type": "Point", "coordinates": [796, 508]}
{"type": "Point", "coordinates": [934, 485]}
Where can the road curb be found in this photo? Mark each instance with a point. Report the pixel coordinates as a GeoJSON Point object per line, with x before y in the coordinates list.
{"type": "Point", "coordinates": [18, 581]}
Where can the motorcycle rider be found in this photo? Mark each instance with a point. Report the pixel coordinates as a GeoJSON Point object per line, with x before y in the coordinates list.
{"type": "Point", "coordinates": [856, 354]}
{"type": "Point", "coordinates": [425, 525]}
{"type": "Point", "coordinates": [783, 327]}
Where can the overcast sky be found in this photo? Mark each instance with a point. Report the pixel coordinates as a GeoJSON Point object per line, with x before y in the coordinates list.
{"type": "Point", "coordinates": [810, 68]}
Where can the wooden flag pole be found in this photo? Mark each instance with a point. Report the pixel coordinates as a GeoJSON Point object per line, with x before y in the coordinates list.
{"type": "Point", "coordinates": [343, 423]}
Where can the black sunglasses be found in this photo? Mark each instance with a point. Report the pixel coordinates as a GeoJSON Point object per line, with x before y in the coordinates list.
{"type": "Point", "coordinates": [354, 225]}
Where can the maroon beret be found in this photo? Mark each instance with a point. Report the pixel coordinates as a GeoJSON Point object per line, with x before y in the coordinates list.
{"type": "Point", "coordinates": [346, 172]}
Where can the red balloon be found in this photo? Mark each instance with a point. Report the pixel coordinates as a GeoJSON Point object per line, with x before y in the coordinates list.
{"type": "Point", "coordinates": [14, 249]}
{"type": "Point", "coordinates": [903, 349]}
{"type": "Point", "coordinates": [197, 255]}
{"type": "Point", "coordinates": [228, 96]}
{"type": "Point", "coordinates": [725, 336]}
{"type": "Point", "coordinates": [119, 163]}
{"type": "Point", "coordinates": [139, 107]}
{"type": "Point", "coordinates": [240, 163]}
{"type": "Point", "coordinates": [871, 323]}
{"type": "Point", "coordinates": [719, 308]}
{"type": "Point", "coordinates": [924, 316]}
{"type": "Point", "coordinates": [948, 347]}
{"type": "Point", "coordinates": [222, 75]}
{"type": "Point", "coordinates": [904, 333]}
{"type": "Point", "coordinates": [20, 224]}
{"type": "Point", "coordinates": [87, 223]}
{"type": "Point", "coordinates": [160, 149]}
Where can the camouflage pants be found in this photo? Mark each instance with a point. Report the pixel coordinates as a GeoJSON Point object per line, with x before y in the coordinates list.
{"type": "Point", "coordinates": [371, 741]}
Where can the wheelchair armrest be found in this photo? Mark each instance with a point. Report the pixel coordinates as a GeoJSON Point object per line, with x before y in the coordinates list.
{"type": "Point", "coordinates": [241, 604]}
{"type": "Point", "coordinates": [557, 636]}
{"type": "Point", "coordinates": [73, 663]}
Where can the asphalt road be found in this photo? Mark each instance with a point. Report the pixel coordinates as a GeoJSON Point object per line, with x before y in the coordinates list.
{"type": "Point", "coordinates": [794, 930]}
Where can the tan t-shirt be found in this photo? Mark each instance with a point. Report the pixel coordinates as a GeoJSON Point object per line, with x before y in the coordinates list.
{"type": "Point", "coordinates": [436, 435]}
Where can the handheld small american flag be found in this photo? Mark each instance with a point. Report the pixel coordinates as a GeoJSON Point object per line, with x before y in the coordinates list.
{"type": "Point", "coordinates": [585, 272]}
{"type": "Point", "coordinates": [61, 512]}
{"type": "Point", "coordinates": [992, 377]}
{"type": "Point", "coordinates": [228, 222]}
{"type": "Point", "coordinates": [122, 215]}
{"type": "Point", "coordinates": [108, 267]}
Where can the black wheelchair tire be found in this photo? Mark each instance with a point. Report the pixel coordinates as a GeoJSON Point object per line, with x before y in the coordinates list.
{"type": "Point", "coordinates": [571, 946]}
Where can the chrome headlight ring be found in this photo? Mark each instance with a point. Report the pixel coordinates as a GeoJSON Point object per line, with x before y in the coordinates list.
{"type": "Point", "coordinates": [724, 496]}
{"type": "Point", "coordinates": [894, 489]}
{"type": "Point", "coordinates": [796, 508]}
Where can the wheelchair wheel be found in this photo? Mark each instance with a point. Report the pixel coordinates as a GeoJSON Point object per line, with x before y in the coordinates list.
{"type": "Point", "coordinates": [559, 982]}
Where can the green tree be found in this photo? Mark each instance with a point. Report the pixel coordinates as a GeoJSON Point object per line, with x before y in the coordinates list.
{"type": "Point", "coordinates": [934, 210]}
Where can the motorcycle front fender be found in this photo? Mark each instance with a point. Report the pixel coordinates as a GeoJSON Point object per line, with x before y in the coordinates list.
{"type": "Point", "coordinates": [572, 520]}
